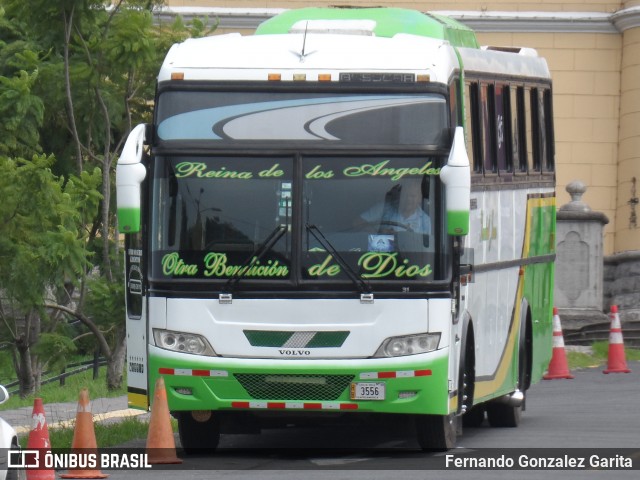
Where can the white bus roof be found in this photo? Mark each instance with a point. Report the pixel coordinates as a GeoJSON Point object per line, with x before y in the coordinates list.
{"type": "Point", "coordinates": [236, 57]}
{"type": "Point", "coordinates": [252, 58]}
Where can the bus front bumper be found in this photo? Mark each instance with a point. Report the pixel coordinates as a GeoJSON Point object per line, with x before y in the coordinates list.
{"type": "Point", "coordinates": [405, 385]}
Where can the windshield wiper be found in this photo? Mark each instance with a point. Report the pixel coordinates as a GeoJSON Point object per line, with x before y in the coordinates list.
{"type": "Point", "coordinates": [258, 253]}
{"type": "Point", "coordinates": [365, 289]}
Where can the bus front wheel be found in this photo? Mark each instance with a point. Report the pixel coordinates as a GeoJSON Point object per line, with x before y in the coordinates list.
{"type": "Point", "coordinates": [199, 431]}
{"type": "Point", "coordinates": [436, 432]}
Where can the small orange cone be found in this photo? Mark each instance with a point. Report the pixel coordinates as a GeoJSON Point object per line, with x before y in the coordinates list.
{"type": "Point", "coordinates": [84, 442]}
{"type": "Point", "coordinates": [617, 362]}
{"type": "Point", "coordinates": [558, 367]}
{"type": "Point", "coordinates": [161, 446]}
{"type": "Point", "coordinates": [39, 440]}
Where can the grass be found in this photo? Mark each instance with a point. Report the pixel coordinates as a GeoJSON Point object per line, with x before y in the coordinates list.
{"type": "Point", "coordinates": [598, 357]}
{"type": "Point", "coordinates": [107, 434]}
{"type": "Point", "coordinates": [54, 393]}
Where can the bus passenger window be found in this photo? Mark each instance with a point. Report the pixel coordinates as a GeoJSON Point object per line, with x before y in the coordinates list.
{"type": "Point", "coordinates": [488, 128]}
{"type": "Point", "coordinates": [538, 132]}
{"type": "Point", "coordinates": [547, 127]}
{"type": "Point", "coordinates": [533, 163]}
{"type": "Point", "coordinates": [501, 118]}
{"type": "Point", "coordinates": [518, 137]}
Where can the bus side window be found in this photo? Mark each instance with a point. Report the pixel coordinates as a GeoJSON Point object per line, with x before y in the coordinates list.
{"type": "Point", "coordinates": [527, 146]}
{"type": "Point", "coordinates": [502, 128]}
{"type": "Point", "coordinates": [473, 125]}
{"type": "Point", "coordinates": [547, 127]}
{"type": "Point", "coordinates": [534, 136]}
{"type": "Point", "coordinates": [487, 99]}
{"type": "Point", "coordinates": [518, 137]}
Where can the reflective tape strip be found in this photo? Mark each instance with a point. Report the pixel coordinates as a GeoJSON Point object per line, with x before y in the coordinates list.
{"type": "Point", "coordinates": [558, 341]}
{"type": "Point", "coordinates": [398, 374]}
{"type": "Point", "coordinates": [187, 372]}
{"type": "Point", "coordinates": [295, 405]}
{"type": "Point", "coordinates": [615, 337]}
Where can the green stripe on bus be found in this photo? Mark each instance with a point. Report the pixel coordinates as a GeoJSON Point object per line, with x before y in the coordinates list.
{"type": "Point", "coordinates": [389, 22]}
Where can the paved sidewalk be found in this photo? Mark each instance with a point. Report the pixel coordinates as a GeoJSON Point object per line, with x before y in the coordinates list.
{"type": "Point", "coordinates": [64, 414]}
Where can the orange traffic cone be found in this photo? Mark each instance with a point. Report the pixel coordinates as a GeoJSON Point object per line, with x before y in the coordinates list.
{"type": "Point", "coordinates": [558, 367]}
{"type": "Point", "coordinates": [161, 446]}
{"type": "Point", "coordinates": [617, 362]}
{"type": "Point", "coordinates": [39, 440]}
{"type": "Point", "coordinates": [84, 443]}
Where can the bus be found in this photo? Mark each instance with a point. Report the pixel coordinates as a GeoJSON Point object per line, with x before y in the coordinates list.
{"type": "Point", "coordinates": [346, 215]}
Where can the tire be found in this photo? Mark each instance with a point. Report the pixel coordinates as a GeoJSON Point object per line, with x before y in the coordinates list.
{"type": "Point", "coordinates": [198, 436]}
{"type": "Point", "coordinates": [436, 432]}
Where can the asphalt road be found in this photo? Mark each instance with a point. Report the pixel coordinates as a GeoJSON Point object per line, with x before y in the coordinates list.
{"type": "Point", "coordinates": [591, 415]}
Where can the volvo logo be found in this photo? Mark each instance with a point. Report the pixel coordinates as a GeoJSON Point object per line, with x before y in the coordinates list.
{"type": "Point", "coordinates": [294, 353]}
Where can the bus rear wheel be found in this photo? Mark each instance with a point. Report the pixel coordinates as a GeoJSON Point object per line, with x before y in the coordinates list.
{"type": "Point", "coordinates": [199, 431]}
{"type": "Point", "coordinates": [436, 432]}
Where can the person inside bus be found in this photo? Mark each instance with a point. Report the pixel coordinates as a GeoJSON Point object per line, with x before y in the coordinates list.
{"type": "Point", "coordinates": [401, 211]}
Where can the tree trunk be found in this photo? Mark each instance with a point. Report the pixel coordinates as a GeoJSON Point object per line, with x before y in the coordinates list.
{"type": "Point", "coordinates": [115, 364]}
{"type": "Point", "coordinates": [25, 372]}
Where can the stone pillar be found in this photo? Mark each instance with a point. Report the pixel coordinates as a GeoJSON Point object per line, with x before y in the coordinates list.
{"type": "Point", "coordinates": [579, 280]}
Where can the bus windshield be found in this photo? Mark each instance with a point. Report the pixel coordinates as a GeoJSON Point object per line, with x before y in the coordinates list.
{"type": "Point", "coordinates": [242, 218]}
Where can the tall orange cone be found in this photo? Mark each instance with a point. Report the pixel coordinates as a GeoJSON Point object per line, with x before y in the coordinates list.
{"type": "Point", "coordinates": [84, 442]}
{"type": "Point", "coordinates": [39, 440]}
{"type": "Point", "coordinates": [558, 367]}
{"type": "Point", "coordinates": [617, 362]}
{"type": "Point", "coordinates": [161, 446]}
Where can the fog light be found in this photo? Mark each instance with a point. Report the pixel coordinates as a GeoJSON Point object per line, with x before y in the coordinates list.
{"type": "Point", "coordinates": [184, 391]}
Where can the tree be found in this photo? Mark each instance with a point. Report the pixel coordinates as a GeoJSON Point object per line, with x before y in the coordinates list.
{"type": "Point", "coordinates": [87, 72]}
{"type": "Point", "coordinates": [41, 246]}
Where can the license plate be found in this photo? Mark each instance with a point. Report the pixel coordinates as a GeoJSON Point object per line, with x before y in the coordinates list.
{"type": "Point", "coordinates": [367, 391]}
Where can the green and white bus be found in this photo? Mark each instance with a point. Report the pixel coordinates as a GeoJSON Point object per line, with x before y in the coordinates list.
{"type": "Point", "coordinates": [350, 212]}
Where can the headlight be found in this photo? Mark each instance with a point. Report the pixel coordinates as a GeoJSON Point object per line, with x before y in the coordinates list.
{"type": "Point", "coordinates": [408, 345]}
{"type": "Point", "coordinates": [183, 342]}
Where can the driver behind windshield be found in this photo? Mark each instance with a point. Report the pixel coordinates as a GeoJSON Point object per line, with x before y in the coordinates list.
{"type": "Point", "coordinates": [401, 210]}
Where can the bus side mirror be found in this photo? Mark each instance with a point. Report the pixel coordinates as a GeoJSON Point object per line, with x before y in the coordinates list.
{"type": "Point", "coordinates": [456, 175]}
{"type": "Point", "coordinates": [130, 174]}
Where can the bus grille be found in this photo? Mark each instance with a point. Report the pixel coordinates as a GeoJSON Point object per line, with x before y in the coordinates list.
{"type": "Point", "coordinates": [293, 386]}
